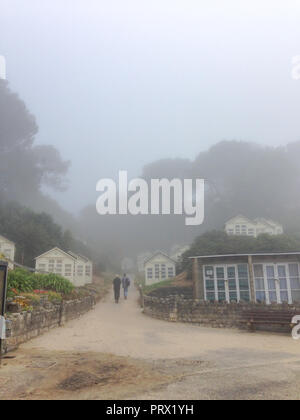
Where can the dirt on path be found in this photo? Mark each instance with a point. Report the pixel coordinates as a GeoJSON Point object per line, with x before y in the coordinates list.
{"type": "Point", "coordinates": [115, 351]}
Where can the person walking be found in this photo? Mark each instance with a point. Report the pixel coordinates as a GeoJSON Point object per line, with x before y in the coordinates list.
{"type": "Point", "coordinates": [117, 287]}
{"type": "Point", "coordinates": [125, 285]}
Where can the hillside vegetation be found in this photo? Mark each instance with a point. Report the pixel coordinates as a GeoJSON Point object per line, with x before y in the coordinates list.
{"type": "Point", "coordinates": [218, 242]}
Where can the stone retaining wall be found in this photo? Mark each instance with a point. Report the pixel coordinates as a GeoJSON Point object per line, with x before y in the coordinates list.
{"type": "Point", "coordinates": [217, 315]}
{"type": "Point", "coordinates": [24, 326]}
{"type": "Point", "coordinates": [163, 292]}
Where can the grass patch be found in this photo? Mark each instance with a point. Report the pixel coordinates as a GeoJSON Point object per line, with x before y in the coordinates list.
{"type": "Point", "coordinates": [150, 288]}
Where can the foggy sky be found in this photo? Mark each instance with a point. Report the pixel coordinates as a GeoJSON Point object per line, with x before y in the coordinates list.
{"type": "Point", "coordinates": [117, 84]}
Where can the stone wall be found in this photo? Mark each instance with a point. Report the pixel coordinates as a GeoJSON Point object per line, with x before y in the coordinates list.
{"type": "Point", "coordinates": [24, 326]}
{"type": "Point", "coordinates": [184, 291]}
{"type": "Point", "coordinates": [177, 308]}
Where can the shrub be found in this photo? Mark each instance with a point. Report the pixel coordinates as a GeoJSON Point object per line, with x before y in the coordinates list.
{"type": "Point", "coordinates": [53, 282]}
{"type": "Point", "coordinates": [164, 283]}
{"type": "Point", "coordinates": [20, 280]}
{"type": "Point", "coordinates": [54, 297]}
{"type": "Point", "coordinates": [26, 282]}
{"type": "Point", "coordinates": [24, 303]}
{"type": "Point", "coordinates": [32, 297]}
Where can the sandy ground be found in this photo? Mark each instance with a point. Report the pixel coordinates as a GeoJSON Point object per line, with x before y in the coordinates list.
{"type": "Point", "coordinates": [115, 351]}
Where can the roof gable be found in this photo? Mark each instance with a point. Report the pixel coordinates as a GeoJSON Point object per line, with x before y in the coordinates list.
{"type": "Point", "coordinates": [78, 256]}
{"type": "Point", "coordinates": [83, 257]}
{"type": "Point", "coordinates": [239, 216]}
{"type": "Point", "coordinates": [268, 222]}
{"type": "Point", "coordinates": [159, 253]}
{"type": "Point", "coordinates": [56, 249]}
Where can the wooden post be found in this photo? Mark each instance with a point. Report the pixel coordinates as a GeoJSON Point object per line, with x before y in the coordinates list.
{"type": "Point", "coordinates": [3, 290]}
{"type": "Point", "coordinates": [251, 279]}
{"type": "Point", "coordinates": [195, 277]}
{"type": "Point", "coordinates": [197, 280]}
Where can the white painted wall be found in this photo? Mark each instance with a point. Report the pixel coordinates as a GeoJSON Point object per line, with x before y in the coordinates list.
{"type": "Point", "coordinates": [88, 272]}
{"type": "Point", "coordinates": [240, 225]}
{"type": "Point", "coordinates": [159, 268]}
{"type": "Point", "coordinates": [58, 262]}
{"type": "Point", "coordinates": [75, 268]}
{"type": "Point", "coordinates": [8, 249]}
{"type": "Point", "coordinates": [83, 271]}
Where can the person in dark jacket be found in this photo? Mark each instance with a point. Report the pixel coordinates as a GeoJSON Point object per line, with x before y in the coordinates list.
{"type": "Point", "coordinates": [125, 285]}
{"type": "Point", "coordinates": [117, 287]}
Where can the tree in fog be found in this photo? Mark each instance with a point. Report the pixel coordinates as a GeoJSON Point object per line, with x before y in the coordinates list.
{"type": "Point", "coordinates": [35, 233]}
{"type": "Point", "coordinates": [24, 167]}
{"type": "Point", "coordinates": [250, 178]}
{"type": "Point", "coordinates": [240, 177]}
{"type": "Point", "coordinates": [218, 242]}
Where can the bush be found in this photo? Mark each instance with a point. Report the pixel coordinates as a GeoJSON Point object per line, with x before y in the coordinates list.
{"type": "Point", "coordinates": [218, 242]}
{"type": "Point", "coordinates": [53, 282]}
{"type": "Point", "coordinates": [54, 297]}
{"type": "Point", "coordinates": [151, 287]}
{"type": "Point", "coordinates": [33, 298]}
{"type": "Point", "coordinates": [26, 282]}
{"type": "Point", "coordinates": [20, 280]}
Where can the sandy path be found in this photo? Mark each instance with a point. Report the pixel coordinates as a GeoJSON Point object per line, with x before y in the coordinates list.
{"type": "Point", "coordinates": [123, 330]}
{"type": "Point", "coordinates": [114, 351]}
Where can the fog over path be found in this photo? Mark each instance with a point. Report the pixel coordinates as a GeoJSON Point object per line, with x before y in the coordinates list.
{"type": "Point", "coordinates": [202, 363]}
{"type": "Point", "coordinates": [123, 329]}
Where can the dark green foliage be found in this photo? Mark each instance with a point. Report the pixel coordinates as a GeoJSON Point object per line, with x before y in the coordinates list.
{"type": "Point", "coordinates": [52, 282]}
{"type": "Point", "coordinates": [24, 281]}
{"type": "Point", "coordinates": [241, 178]}
{"type": "Point", "coordinates": [25, 169]}
{"type": "Point", "coordinates": [35, 233]}
{"type": "Point", "coordinates": [20, 280]}
{"type": "Point", "coordinates": [218, 242]}
{"type": "Point", "coordinates": [24, 166]}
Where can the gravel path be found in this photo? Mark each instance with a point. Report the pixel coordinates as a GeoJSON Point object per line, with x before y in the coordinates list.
{"type": "Point", "coordinates": [203, 363]}
{"type": "Point", "coordinates": [124, 330]}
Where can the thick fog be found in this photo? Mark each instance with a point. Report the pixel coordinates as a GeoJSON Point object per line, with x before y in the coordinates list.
{"type": "Point", "coordinates": [119, 85]}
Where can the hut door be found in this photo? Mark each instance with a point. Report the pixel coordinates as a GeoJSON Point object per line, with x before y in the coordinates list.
{"type": "Point", "coordinates": [271, 284]}
{"type": "Point", "coordinates": [283, 283]}
{"type": "Point", "coordinates": [277, 283]}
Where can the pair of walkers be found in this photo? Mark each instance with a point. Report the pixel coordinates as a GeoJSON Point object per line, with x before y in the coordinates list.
{"type": "Point", "coordinates": [117, 286]}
